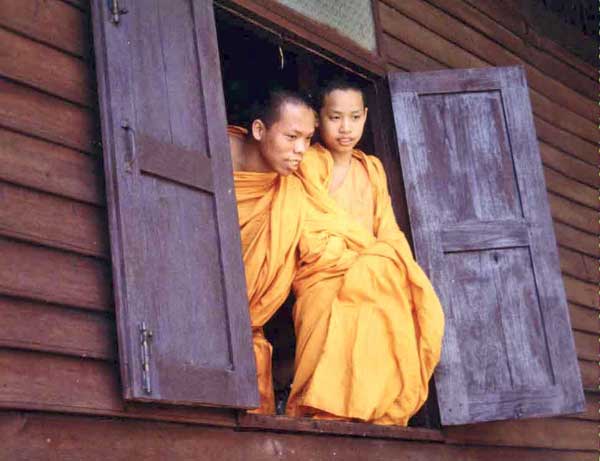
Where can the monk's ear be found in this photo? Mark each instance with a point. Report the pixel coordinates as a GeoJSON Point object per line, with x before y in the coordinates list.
{"type": "Point", "coordinates": [366, 110]}
{"type": "Point", "coordinates": [258, 129]}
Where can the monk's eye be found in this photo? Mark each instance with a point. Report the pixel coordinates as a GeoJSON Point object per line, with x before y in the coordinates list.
{"type": "Point", "coordinates": [356, 117]}
{"type": "Point", "coordinates": [291, 137]}
{"type": "Point", "coordinates": [334, 117]}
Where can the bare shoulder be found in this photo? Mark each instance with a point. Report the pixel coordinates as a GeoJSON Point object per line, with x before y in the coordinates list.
{"type": "Point", "coordinates": [236, 145]}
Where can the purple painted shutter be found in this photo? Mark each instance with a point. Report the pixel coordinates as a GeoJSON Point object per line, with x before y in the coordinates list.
{"type": "Point", "coordinates": [177, 265]}
{"type": "Point", "coordinates": [482, 231]}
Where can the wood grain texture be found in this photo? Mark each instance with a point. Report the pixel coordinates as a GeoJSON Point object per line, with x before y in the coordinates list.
{"type": "Point", "coordinates": [575, 239]}
{"type": "Point", "coordinates": [311, 426]}
{"type": "Point", "coordinates": [590, 376]}
{"type": "Point", "coordinates": [586, 345]}
{"type": "Point", "coordinates": [591, 408]}
{"type": "Point", "coordinates": [570, 189]}
{"type": "Point", "coordinates": [499, 359]}
{"type": "Point", "coordinates": [29, 435]}
{"type": "Point", "coordinates": [52, 22]}
{"type": "Point", "coordinates": [579, 265]}
{"type": "Point", "coordinates": [29, 111]}
{"type": "Point", "coordinates": [468, 39]}
{"type": "Point", "coordinates": [57, 329]}
{"type": "Point", "coordinates": [161, 96]}
{"type": "Point", "coordinates": [46, 68]}
{"type": "Point", "coordinates": [87, 386]}
{"type": "Point", "coordinates": [561, 434]}
{"type": "Point", "coordinates": [581, 292]}
{"type": "Point", "coordinates": [512, 19]}
{"type": "Point", "coordinates": [406, 57]}
{"type": "Point", "coordinates": [566, 142]}
{"type": "Point", "coordinates": [300, 30]}
{"type": "Point", "coordinates": [573, 214]}
{"type": "Point", "coordinates": [50, 168]}
{"type": "Point", "coordinates": [584, 318]}
{"type": "Point", "coordinates": [438, 48]}
{"type": "Point", "coordinates": [579, 79]}
{"type": "Point", "coordinates": [54, 276]}
{"type": "Point", "coordinates": [52, 221]}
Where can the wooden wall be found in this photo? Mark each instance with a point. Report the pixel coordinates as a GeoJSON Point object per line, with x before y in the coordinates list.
{"type": "Point", "coordinates": [58, 372]}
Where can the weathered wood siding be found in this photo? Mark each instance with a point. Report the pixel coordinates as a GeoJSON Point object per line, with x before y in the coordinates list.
{"type": "Point", "coordinates": [57, 339]}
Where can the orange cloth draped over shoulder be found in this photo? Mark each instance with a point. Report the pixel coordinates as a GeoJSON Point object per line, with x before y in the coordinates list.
{"type": "Point", "coordinates": [368, 323]}
{"type": "Point", "coordinates": [270, 211]}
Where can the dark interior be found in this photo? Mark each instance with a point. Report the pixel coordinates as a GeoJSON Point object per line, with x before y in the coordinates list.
{"type": "Point", "coordinates": [254, 60]}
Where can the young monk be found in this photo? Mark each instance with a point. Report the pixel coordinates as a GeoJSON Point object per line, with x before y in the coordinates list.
{"type": "Point", "coordinates": [368, 323]}
{"type": "Point", "coordinates": [271, 210]}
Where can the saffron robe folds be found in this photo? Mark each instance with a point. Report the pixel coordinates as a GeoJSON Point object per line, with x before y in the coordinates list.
{"type": "Point", "coordinates": [270, 210]}
{"type": "Point", "coordinates": [368, 323]}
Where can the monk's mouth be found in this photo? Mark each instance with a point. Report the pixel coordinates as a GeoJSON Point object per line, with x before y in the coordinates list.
{"type": "Point", "coordinates": [345, 141]}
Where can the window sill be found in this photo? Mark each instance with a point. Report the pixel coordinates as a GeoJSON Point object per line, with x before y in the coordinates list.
{"type": "Point", "coordinates": [303, 425]}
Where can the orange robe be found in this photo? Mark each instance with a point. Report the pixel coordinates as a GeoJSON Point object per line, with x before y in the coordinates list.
{"type": "Point", "coordinates": [270, 211]}
{"type": "Point", "coordinates": [368, 323]}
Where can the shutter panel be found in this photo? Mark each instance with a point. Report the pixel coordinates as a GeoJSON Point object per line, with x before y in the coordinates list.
{"type": "Point", "coordinates": [176, 256]}
{"type": "Point", "coordinates": [482, 231]}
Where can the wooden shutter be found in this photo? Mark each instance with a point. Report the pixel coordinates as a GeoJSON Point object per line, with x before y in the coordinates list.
{"type": "Point", "coordinates": [177, 265]}
{"type": "Point", "coordinates": [482, 231]}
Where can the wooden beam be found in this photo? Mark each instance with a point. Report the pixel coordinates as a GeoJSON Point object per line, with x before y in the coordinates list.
{"type": "Point", "coordinates": [52, 22]}
{"type": "Point", "coordinates": [53, 221]}
{"type": "Point", "coordinates": [47, 69]}
{"type": "Point", "coordinates": [54, 276]}
{"type": "Point", "coordinates": [29, 111]}
{"type": "Point", "coordinates": [47, 167]}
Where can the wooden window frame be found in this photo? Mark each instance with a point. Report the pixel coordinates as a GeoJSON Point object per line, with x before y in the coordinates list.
{"type": "Point", "coordinates": [328, 44]}
{"type": "Point", "coordinates": [309, 34]}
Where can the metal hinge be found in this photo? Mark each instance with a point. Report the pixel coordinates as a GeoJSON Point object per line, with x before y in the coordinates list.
{"type": "Point", "coordinates": [116, 11]}
{"type": "Point", "coordinates": [145, 339]}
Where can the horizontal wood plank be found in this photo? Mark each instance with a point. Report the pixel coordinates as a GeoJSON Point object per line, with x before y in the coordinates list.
{"type": "Point", "coordinates": [53, 221]}
{"type": "Point", "coordinates": [27, 434]}
{"type": "Point", "coordinates": [52, 22]}
{"type": "Point", "coordinates": [591, 408]}
{"type": "Point", "coordinates": [561, 434]}
{"type": "Point", "coordinates": [428, 42]}
{"type": "Point", "coordinates": [469, 40]}
{"type": "Point", "coordinates": [48, 167]}
{"type": "Point", "coordinates": [570, 167]}
{"type": "Point", "coordinates": [54, 276]}
{"type": "Point", "coordinates": [567, 143]}
{"type": "Point", "coordinates": [575, 239]}
{"type": "Point", "coordinates": [29, 111]}
{"type": "Point", "coordinates": [46, 68]}
{"type": "Point", "coordinates": [584, 318]}
{"type": "Point", "coordinates": [408, 58]}
{"type": "Point", "coordinates": [568, 188]}
{"type": "Point", "coordinates": [51, 328]}
{"type": "Point", "coordinates": [590, 375]}
{"type": "Point", "coordinates": [550, 111]}
{"type": "Point", "coordinates": [309, 425]}
{"type": "Point", "coordinates": [587, 345]}
{"type": "Point", "coordinates": [573, 214]}
{"type": "Point", "coordinates": [579, 79]}
{"type": "Point", "coordinates": [82, 386]}
{"type": "Point", "coordinates": [503, 14]}
{"type": "Point", "coordinates": [581, 292]}
{"type": "Point", "coordinates": [579, 265]}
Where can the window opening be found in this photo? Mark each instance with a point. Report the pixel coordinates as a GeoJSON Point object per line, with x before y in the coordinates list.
{"type": "Point", "coordinates": [251, 62]}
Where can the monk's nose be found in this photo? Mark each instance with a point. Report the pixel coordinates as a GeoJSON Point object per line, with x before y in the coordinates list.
{"type": "Point", "coordinates": [300, 146]}
{"type": "Point", "coordinates": [345, 126]}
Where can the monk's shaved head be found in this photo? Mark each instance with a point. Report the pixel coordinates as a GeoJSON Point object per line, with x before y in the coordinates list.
{"type": "Point", "coordinates": [268, 109]}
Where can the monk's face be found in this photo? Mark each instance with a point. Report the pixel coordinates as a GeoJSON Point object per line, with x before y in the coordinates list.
{"type": "Point", "coordinates": [283, 143]}
{"type": "Point", "coordinates": [342, 120]}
